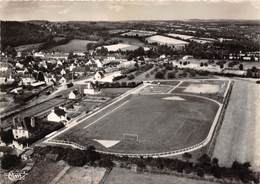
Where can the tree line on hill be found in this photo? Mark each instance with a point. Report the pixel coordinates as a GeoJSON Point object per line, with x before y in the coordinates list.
{"type": "Point", "coordinates": [20, 33]}
{"type": "Point", "coordinates": [218, 50]}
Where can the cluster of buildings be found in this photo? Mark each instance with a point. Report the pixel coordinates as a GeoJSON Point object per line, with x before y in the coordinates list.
{"type": "Point", "coordinates": [249, 56]}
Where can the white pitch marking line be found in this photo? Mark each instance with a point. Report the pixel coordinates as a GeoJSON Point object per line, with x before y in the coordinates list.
{"type": "Point", "coordinates": [175, 87]}
{"type": "Point", "coordinates": [106, 114]}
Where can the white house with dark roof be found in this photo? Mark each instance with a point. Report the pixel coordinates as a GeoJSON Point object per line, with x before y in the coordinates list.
{"type": "Point", "coordinates": [91, 89]}
{"type": "Point", "coordinates": [62, 81]}
{"type": "Point", "coordinates": [99, 75]}
{"type": "Point", "coordinates": [58, 114]}
{"type": "Point", "coordinates": [98, 63]}
{"type": "Point", "coordinates": [23, 127]}
{"type": "Point", "coordinates": [73, 95]}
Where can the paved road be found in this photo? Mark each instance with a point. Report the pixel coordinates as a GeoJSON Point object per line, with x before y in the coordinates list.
{"type": "Point", "coordinates": [239, 137]}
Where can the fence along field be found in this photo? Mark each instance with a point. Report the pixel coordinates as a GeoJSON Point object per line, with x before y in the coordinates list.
{"type": "Point", "coordinates": [161, 122]}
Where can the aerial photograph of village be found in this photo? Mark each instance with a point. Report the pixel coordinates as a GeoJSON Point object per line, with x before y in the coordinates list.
{"type": "Point", "coordinates": [130, 92]}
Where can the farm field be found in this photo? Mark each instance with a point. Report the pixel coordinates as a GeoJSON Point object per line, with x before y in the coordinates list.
{"type": "Point", "coordinates": [163, 40]}
{"type": "Point", "coordinates": [28, 47]}
{"type": "Point", "coordinates": [122, 47]}
{"type": "Point", "coordinates": [128, 118]}
{"type": "Point", "coordinates": [139, 33]}
{"type": "Point", "coordinates": [238, 138]}
{"type": "Point", "coordinates": [116, 31]}
{"type": "Point", "coordinates": [121, 175]}
{"type": "Point", "coordinates": [72, 45]}
{"type": "Point", "coordinates": [43, 172]}
{"type": "Point", "coordinates": [130, 41]}
{"type": "Point", "coordinates": [184, 37]}
{"type": "Point", "coordinates": [201, 40]}
{"type": "Point", "coordinates": [77, 175]}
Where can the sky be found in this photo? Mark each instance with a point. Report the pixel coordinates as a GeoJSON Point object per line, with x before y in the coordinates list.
{"type": "Point", "coordinates": [121, 10]}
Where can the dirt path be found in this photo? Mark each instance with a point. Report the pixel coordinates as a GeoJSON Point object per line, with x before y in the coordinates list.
{"type": "Point", "coordinates": [239, 137]}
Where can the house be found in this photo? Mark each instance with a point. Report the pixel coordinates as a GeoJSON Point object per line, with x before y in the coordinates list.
{"type": "Point", "coordinates": [162, 56]}
{"type": "Point", "coordinates": [22, 72]}
{"type": "Point", "coordinates": [99, 75]}
{"type": "Point", "coordinates": [62, 72]}
{"type": "Point", "coordinates": [91, 89]}
{"type": "Point", "coordinates": [62, 81]}
{"type": "Point", "coordinates": [16, 90]}
{"type": "Point", "coordinates": [19, 65]}
{"type": "Point", "coordinates": [81, 71]}
{"type": "Point", "coordinates": [23, 127]}
{"type": "Point", "coordinates": [57, 56]}
{"type": "Point", "coordinates": [58, 114]}
{"type": "Point", "coordinates": [73, 95]}
{"type": "Point", "coordinates": [50, 79]}
{"type": "Point", "coordinates": [4, 67]}
{"type": "Point", "coordinates": [98, 63]}
{"type": "Point", "coordinates": [39, 54]}
{"type": "Point", "coordinates": [6, 78]}
{"type": "Point", "coordinates": [27, 81]}
{"type": "Point", "coordinates": [81, 54]}
{"type": "Point", "coordinates": [38, 84]}
{"type": "Point", "coordinates": [186, 57]}
{"type": "Point", "coordinates": [59, 62]}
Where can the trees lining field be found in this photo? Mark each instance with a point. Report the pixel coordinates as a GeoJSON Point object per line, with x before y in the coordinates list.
{"type": "Point", "coordinates": [134, 117]}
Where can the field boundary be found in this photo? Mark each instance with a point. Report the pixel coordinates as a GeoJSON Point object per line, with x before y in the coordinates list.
{"type": "Point", "coordinates": [211, 146]}
{"type": "Point", "coordinates": [218, 118]}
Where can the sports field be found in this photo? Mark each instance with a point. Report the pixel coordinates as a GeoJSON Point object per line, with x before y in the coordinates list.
{"type": "Point", "coordinates": [214, 89]}
{"type": "Point", "coordinates": [156, 123]}
{"type": "Point", "coordinates": [152, 119]}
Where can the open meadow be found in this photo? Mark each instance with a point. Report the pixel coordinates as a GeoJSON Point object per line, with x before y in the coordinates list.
{"type": "Point", "coordinates": [163, 40]}
{"type": "Point", "coordinates": [239, 135]}
{"type": "Point", "coordinates": [72, 45]}
{"type": "Point", "coordinates": [78, 175]}
{"type": "Point", "coordinates": [121, 175]}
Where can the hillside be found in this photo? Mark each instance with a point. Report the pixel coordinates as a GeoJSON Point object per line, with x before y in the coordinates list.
{"type": "Point", "coordinates": [21, 33]}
